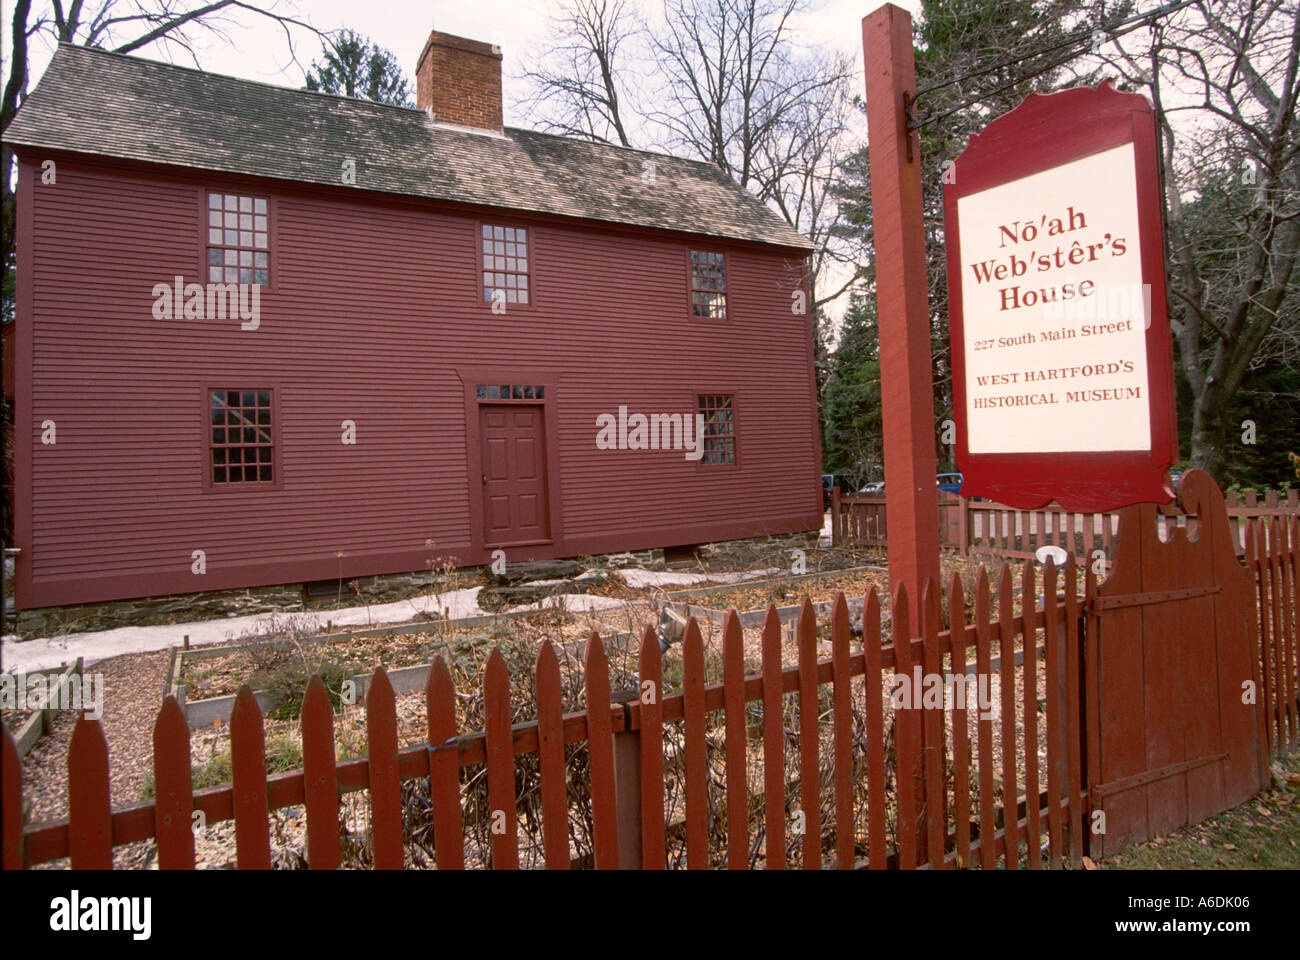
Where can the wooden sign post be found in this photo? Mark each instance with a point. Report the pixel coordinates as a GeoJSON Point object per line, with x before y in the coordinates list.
{"type": "Point", "coordinates": [902, 305]}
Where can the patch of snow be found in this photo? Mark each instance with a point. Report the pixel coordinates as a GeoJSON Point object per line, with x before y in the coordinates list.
{"type": "Point", "coordinates": [637, 578]}
{"type": "Point", "coordinates": [48, 652]}
{"type": "Point", "coordinates": [573, 602]}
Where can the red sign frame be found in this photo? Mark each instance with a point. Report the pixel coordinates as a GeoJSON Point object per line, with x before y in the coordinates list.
{"type": "Point", "coordinates": [1047, 131]}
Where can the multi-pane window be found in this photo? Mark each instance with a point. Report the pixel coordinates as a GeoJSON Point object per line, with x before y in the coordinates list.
{"type": "Point", "coordinates": [241, 446]}
{"type": "Point", "coordinates": [505, 263]}
{"type": "Point", "coordinates": [719, 429]}
{"type": "Point", "coordinates": [708, 285]}
{"type": "Point", "coordinates": [238, 239]}
{"type": "Point", "coordinates": [509, 391]}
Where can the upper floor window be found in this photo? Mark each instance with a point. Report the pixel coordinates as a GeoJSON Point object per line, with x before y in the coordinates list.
{"type": "Point", "coordinates": [241, 446]}
{"type": "Point", "coordinates": [238, 239]}
{"type": "Point", "coordinates": [505, 263]}
{"type": "Point", "coordinates": [708, 285]}
{"type": "Point", "coordinates": [719, 428]}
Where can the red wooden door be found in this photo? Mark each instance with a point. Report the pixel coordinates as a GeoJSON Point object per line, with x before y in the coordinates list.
{"type": "Point", "coordinates": [514, 474]}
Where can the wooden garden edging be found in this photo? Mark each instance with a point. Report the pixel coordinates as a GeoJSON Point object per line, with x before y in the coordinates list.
{"type": "Point", "coordinates": [42, 721]}
{"type": "Point", "coordinates": [205, 712]}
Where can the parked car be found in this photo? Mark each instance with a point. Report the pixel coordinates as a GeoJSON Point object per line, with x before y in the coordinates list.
{"type": "Point", "coordinates": [877, 487]}
{"type": "Point", "coordinates": [950, 482]}
{"type": "Point", "coordinates": [830, 481]}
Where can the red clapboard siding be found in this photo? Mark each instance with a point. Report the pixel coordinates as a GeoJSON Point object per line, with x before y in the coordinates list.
{"type": "Point", "coordinates": [374, 315]}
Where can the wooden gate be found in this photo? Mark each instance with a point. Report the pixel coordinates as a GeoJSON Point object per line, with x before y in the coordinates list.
{"type": "Point", "coordinates": [1174, 730]}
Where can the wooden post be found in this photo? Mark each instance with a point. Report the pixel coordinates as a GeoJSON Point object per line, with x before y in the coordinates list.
{"type": "Point", "coordinates": [837, 538]}
{"type": "Point", "coordinates": [627, 794]}
{"type": "Point", "coordinates": [903, 311]}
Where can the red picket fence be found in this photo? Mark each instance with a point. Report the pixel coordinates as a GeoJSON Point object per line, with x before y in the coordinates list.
{"type": "Point", "coordinates": [876, 783]}
{"type": "Point", "coordinates": [1273, 556]}
{"type": "Point", "coordinates": [905, 786]}
{"type": "Point", "coordinates": [982, 526]}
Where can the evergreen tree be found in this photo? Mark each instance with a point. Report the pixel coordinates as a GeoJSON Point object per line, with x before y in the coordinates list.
{"type": "Point", "coordinates": [353, 66]}
{"type": "Point", "coordinates": [953, 38]}
{"type": "Point", "coordinates": [852, 409]}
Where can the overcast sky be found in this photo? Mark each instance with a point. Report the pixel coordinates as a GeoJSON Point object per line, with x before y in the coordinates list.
{"type": "Point", "coordinates": [258, 51]}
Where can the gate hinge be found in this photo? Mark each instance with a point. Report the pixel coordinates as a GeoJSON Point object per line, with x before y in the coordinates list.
{"type": "Point", "coordinates": [1155, 596]}
{"type": "Point", "coordinates": [1100, 790]}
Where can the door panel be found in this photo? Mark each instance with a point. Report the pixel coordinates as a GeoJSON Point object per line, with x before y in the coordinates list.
{"type": "Point", "coordinates": [514, 474]}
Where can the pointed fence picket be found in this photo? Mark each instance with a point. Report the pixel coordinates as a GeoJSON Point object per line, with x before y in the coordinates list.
{"type": "Point", "coordinates": [550, 752]}
{"type": "Point", "coordinates": [697, 771]}
{"type": "Point", "coordinates": [873, 780]}
{"type": "Point", "coordinates": [960, 724]}
{"type": "Point", "coordinates": [651, 753]}
{"type": "Point", "coordinates": [983, 668]}
{"type": "Point", "coordinates": [443, 758]}
{"type": "Point", "coordinates": [773, 742]}
{"type": "Point", "coordinates": [504, 820]}
{"type": "Point", "coordinates": [737, 768]}
{"type": "Point", "coordinates": [842, 712]}
{"type": "Point", "coordinates": [90, 819]}
{"type": "Point", "coordinates": [248, 782]}
{"type": "Point", "coordinates": [600, 749]}
{"type": "Point", "coordinates": [173, 792]}
{"type": "Point", "coordinates": [809, 766]}
{"type": "Point", "coordinates": [877, 842]}
{"type": "Point", "coordinates": [320, 778]}
{"type": "Point", "coordinates": [385, 784]}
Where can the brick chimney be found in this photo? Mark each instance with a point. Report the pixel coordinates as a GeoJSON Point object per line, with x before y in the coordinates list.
{"type": "Point", "coordinates": [460, 81]}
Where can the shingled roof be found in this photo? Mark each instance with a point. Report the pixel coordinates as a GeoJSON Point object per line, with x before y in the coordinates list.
{"type": "Point", "coordinates": [106, 104]}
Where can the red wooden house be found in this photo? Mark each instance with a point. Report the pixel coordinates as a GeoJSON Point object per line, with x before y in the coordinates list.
{"type": "Point", "coordinates": [270, 336]}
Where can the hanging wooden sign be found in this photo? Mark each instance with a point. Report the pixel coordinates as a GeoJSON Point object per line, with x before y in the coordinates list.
{"type": "Point", "coordinates": [1061, 355]}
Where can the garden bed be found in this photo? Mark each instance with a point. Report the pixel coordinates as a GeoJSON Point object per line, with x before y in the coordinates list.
{"type": "Point", "coordinates": [787, 592]}
{"type": "Point", "coordinates": [28, 726]}
{"type": "Point", "coordinates": [277, 663]}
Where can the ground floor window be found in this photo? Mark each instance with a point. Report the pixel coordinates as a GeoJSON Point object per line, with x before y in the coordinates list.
{"type": "Point", "coordinates": [241, 444]}
{"type": "Point", "coordinates": [719, 428]}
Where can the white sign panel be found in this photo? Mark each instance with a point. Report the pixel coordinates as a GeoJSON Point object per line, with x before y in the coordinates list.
{"type": "Point", "coordinates": [1054, 311]}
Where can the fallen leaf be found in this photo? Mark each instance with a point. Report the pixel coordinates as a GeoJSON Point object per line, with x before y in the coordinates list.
{"type": "Point", "coordinates": [1089, 865]}
{"type": "Point", "coordinates": [1229, 846]}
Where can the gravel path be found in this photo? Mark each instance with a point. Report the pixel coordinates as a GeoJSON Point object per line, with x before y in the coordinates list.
{"type": "Point", "coordinates": [132, 694]}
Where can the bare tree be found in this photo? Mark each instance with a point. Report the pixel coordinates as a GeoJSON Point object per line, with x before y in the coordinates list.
{"type": "Point", "coordinates": [733, 79]}
{"type": "Point", "coordinates": [799, 163]}
{"type": "Point", "coordinates": [731, 85]}
{"type": "Point", "coordinates": [1227, 72]}
{"type": "Point", "coordinates": [580, 86]}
